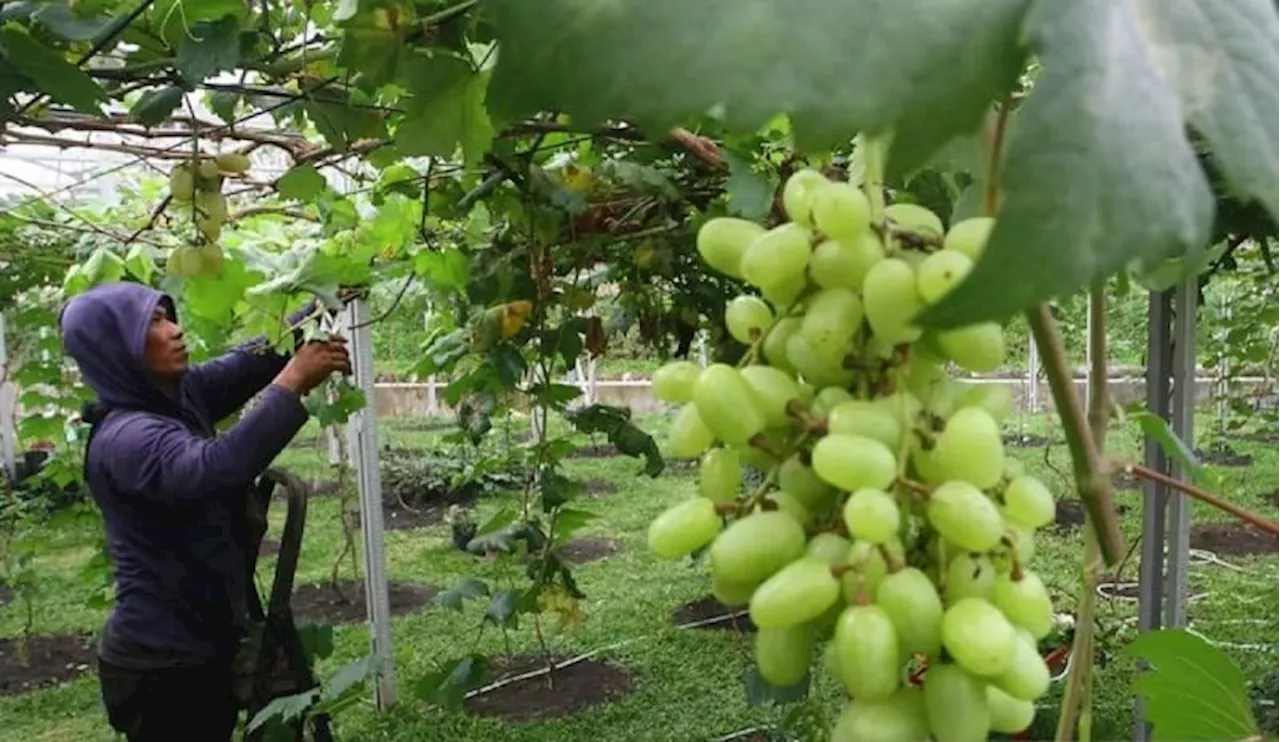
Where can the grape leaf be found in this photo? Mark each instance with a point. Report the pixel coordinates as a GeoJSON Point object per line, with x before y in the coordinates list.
{"type": "Point", "coordinates": [211, 47]}
{"type": "Point", "coordinates": [155, 105]}
{"type": "Point", "coordinates": [1098, 172]}
{"type": "Point", "coordinates": [750, 193]}
{"type": "Point", "coordinates": [1158, 429]}
{"type": "Point", "coordinates": [446, 110]}
{"type": "Point", "coordinates": [1193, 691]}
{"type": "Point", "coordinates": [450, 683]}
{"type": "Point", "coordinates": [59, 17]}
{"type": "Point", "coordinates": [303, 183]}
{"type": "Point", "coordinates": [835, 66]}
{"type": "Point", "coordinates": [1222, 61]}
{"type": "Point", "coordinates": [63, 81]}
{"type": "Point", "coordinates": [467, 588]}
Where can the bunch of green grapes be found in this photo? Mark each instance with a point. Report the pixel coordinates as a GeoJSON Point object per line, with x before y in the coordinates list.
{"type": "Point", "coordinates": [890, 527]}
{"type": "Point", "coordinates": [197, 184]}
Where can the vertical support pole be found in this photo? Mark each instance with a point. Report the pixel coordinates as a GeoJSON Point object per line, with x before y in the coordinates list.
{"type": "Point", "coordinates": [1151, 564]}
{"type": "Point", "coordinates": [703, 360]}
{"type": "Point", "coordinates": [1033, 375]}
{"type": "Point", "coordinates": [362, 431]}
{"type": "Point", "coordinates": [8, 400]}
{"type": "Point", "coordinates": [591, 380]}
{"type": "Point", "coordinates": [1182, 418]}
{"type": "Point", "coordinates": [433, 403]}
{"type": "Point", "coordinates": [1088, 355]}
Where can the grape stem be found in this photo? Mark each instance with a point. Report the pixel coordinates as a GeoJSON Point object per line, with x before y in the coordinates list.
{"type": "Point", "coordinates": [1243, 514]}
{"type": "Point", "coordinates": [1077, 697]}
{"type": "Point", "coordinates": [1091, 477]}
{"type": "Point", "coordinates": [919, 488]}
{"type": "Point", "coordinates": [873, 174]}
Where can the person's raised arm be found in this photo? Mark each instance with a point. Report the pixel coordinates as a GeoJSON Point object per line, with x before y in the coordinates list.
{"type": "Point", "coordinates": [161, 459]}
{"type": "Point", "coordinates": [226, 383]}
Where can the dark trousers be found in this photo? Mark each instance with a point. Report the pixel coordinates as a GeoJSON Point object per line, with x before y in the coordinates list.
{"type": "Point", "coordinates": [186, 704]}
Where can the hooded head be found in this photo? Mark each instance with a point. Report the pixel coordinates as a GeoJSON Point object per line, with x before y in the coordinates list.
{"type": "Point", "coordinates": [126, 340]}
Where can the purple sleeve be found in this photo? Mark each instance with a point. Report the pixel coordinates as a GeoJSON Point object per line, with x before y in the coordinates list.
{"type": "Point", "coordinates": [162, 460]}
{"type": "Point", "coordinates": [228, 382]}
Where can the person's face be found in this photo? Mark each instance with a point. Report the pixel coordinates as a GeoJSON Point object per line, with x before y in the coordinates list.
{"type": "Point", "coordinates": [166, 353]}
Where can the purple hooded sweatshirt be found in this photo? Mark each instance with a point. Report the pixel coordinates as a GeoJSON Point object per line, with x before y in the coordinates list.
{"type": "Point", "coordinates": [172, 492]}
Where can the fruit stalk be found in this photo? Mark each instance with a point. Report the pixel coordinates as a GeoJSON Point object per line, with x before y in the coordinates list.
{"type": "Point", "coordinates": [1092, 480]}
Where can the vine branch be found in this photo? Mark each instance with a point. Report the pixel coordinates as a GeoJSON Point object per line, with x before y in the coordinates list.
{"type": "Point", "coordinates": [1244, 514]}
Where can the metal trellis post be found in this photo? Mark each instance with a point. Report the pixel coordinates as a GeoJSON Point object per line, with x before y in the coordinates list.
{"type": "Point", "coordinates": [8, 394]}
{"type": "Point", "coordinates": [362, 432]}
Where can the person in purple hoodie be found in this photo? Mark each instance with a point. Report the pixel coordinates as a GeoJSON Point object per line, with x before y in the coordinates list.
{"type": "Point", "coordinates": [173, 494]}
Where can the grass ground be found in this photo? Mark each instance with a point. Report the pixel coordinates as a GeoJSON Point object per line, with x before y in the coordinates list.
{"type": "Point", "coordinates": [688, 684]}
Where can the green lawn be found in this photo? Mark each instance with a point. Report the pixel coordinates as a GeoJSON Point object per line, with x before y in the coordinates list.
{"type": "Point", "coordinates": [687, 683]}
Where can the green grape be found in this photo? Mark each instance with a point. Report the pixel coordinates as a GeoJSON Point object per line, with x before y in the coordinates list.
{"type": "Point", "coordinates": [899, 718]}
{"type": "Point", "coordinates": [969, 236]}
{"type": "Point", "coordinates": [924, 376]}
{"type": "Point", "coordinates": [783, 654]}
{"type": "Point", "coordinates": [925, 467]}
{"type": "Point", "coordinates": [1009, 715]}
{"type": "Point", "coordinates": [911, 600]}
{"type": "Point", "coordinates": [965, 516]}
{"type": "Point", "coordinates": [688, 436]}
{"type": "Point", "coordinates": [867, 647]}
{"type": "Point", "coordinates": [978, 347]}
{"type": "Point", "coordinates": [941, 272]}
{"type": "Point", "coordinates": [747, 318]}
{"type": "Point", "coordinates": [775, 390]}
{"type": "Point", "coordinates": [1028, 502]}
{"type": "Point", "coordinates": [1025, 602]}
{"type": "Point", "coordinates": [762, 460]}
{"type": "Point", "coordinates": [799, 592]}
{"type": "Point", "coordinates": [914, 218]}
{"type": "Point", "coordinates": [969, 448]}
{"type": "Point", "coordinates": [844, 265]}
{"type": "Point", "coordinates": [871, 515]}
{"type": "Point", "coordinates": [727, 405]}
{"type": "Point", "coordinates": [720, 475]}
{"type": "Point", "coordinates": [831, 548]}
{"type": "Point", "coordinates": [732, 594]}
{"type": "Point", "coordinates": [852, 462]}
{"type": "Point", "coordinates": [996, 399]}
{"type": "Point", "coordinates": [1024, 542]}
{"type": "Point", "coordinates": [790, 505]}
{"type": "Point", "coordinates": [869, 419]}
{"type": "Point", "coordinates": [1027, 676]}
{"type": "Point", "coordinates": [684, 528]}
{"type": "Point", "coordinates": [797, 479]}
{"type": "Point", "coordinates": [831, 318]}
{"type": "Point", "coordinates": [783, 295]}
{"type": "Point", "coordinates": [673, 382]}
{"type": "Point", "coordinates": [841, 211]}
{"type": "Point", "coordinates": [820, 368]}
{"type": "Point", "coordinates": [1013, 469]}
{"type": "Point", "coordinates": [978, 636]}
{"type": "Point", "coordinates": [723, 240]}
{"type": "Point", "coordinates": [970, 576]}
{"type": "Point", "coordinates": [807, 392]}
{"type": "Point", "coordinates": [955, 705]}
{"type": "Point", "coordinates": [775, 343]}
{"type": "Point", "coordinates": [890, 300]}
{"type": "Point", "coordinates": [778, 256]}
{"type": "Point", "coordinates": [752, 549]}
{"type": "Point", "coordinates": [799, 193]}
{"type": "Point", "coordinates": [827, 399]}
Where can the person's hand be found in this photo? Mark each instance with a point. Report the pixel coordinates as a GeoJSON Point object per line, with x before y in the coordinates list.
{"type": "Point", "coordinates": [314, 362]}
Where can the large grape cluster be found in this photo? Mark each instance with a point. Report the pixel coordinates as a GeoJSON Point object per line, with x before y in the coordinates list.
{"type": "Point", "coordinates": [890, 526]}
{"type": "Point", "coordinates": [197, 185]}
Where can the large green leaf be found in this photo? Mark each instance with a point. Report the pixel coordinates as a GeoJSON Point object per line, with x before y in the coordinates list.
{"type": "Point", "coordinates": [63, 81]}
{"type": "Point", "coordinates": [1098, 172]}
{"type": "Point", "coordinates": [1223, 62]}
{"type": "Point", "coordinates": [446, 110]}
{"type": "Point", "coordinates": [1193, 691]}
{"type": "Point", "coordinates": [836, 66]}
{"type": "Point", "coordinates": [155, 105]}
{"type": "Point", "coordinates": [211, 47]}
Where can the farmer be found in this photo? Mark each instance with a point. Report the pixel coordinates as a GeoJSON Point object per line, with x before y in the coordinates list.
{"type": "Point", "coordinates": [173, 494]}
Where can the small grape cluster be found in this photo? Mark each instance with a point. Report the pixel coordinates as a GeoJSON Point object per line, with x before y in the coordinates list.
{"type": "Point", "coordinates": [199, 183]}
{"type": "Point", "coordinates": [890, 524]}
